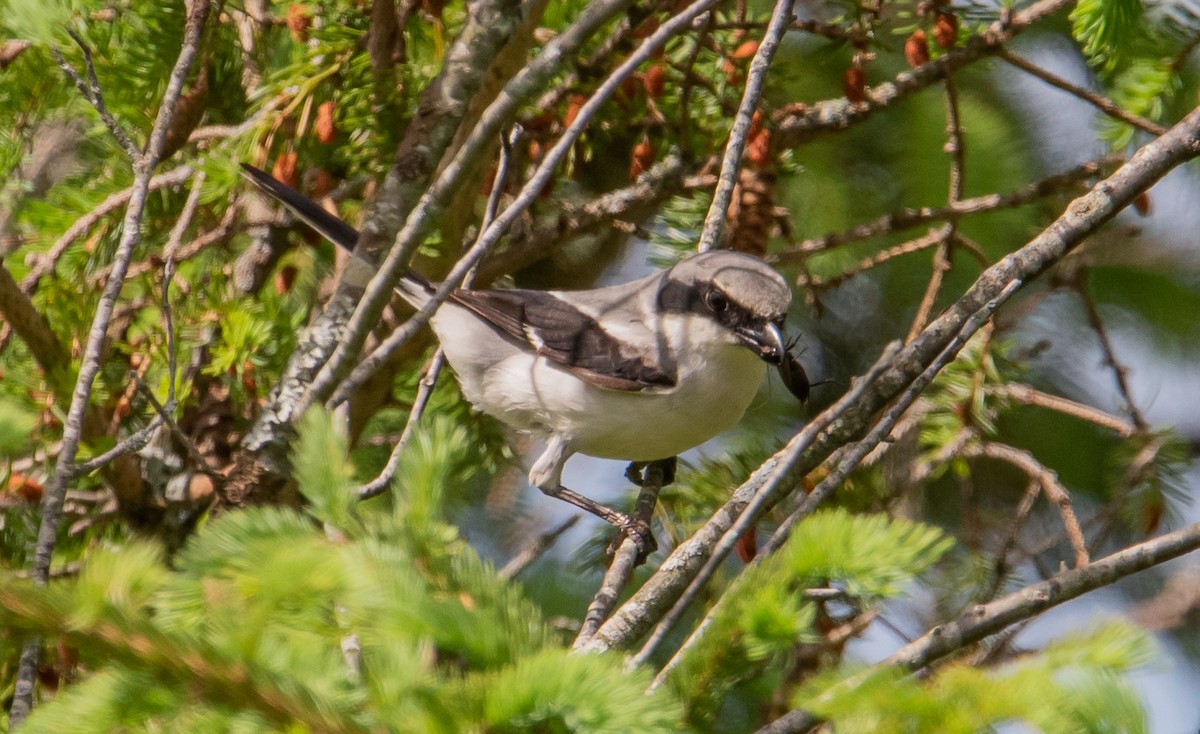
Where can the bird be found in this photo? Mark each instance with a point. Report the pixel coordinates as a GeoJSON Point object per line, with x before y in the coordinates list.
{"type": "Point", "coordinates": [641, 371]}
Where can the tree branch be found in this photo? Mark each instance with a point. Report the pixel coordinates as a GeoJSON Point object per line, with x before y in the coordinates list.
{"type": "Point", "coordinates": [714, 222]}
{"type": "Point", "coordinates": [801, 125]}
{"type": "Point", "coordinates": [1100, 102]}
{"type": "Point", "coordinates": [908, 218]}
{"type": "Point", "coordinates": [983, 620]}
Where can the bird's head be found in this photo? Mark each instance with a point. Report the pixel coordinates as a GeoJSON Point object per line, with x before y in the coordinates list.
{"type": "Point", "coordinates": [743, 296]}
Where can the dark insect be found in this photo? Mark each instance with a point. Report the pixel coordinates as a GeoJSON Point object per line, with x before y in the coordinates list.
{"type": "Point", "coordinates": [793, 376]}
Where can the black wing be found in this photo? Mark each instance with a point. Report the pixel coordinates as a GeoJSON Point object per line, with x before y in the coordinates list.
{"type": "Point", "coordinates": [565, 335]}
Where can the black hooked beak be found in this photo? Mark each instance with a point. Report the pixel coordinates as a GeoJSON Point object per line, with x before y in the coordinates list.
{"type": "Point", "coordinates": [768, 342]}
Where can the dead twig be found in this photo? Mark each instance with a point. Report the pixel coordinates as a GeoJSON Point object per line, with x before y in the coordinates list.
{"type": "Point", "coordinates": [1119, 370]}
{"type": "Point", "coordinates": [1099, 101]}
{"type": "Point", "coordinates": [712, 234]}
{"type": "Point", "coordinates": [46, 264]}
{"type": "Point", "coordinates": [1055, 492]}
{"type": "Point", "coordinates": [909, 218]}
{"type": "Point", "coordinates": [535, 549]}
{"type": "Point", "coordinates": [1027, 395]}
{"type": "Point", "coordinates": [92, 93]}
{"type": "Point", "coordinates": [955, 146]}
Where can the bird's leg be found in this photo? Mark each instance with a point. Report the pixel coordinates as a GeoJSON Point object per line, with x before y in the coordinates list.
{"type": "Point", "coordinates": [546, 475]}
{"type": "Point", "coordinates": [635, 528]}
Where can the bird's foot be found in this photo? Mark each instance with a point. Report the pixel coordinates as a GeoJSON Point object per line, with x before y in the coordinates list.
{"type": "Point", "coordinates": [639, 472]}
{"type": "Point", "coordinates": [640, 533]}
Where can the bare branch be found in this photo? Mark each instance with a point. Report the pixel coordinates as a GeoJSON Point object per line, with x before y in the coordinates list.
{"type": "Point", "coordinates": [1100, 102]}
{"type": "Point", "coordinates": [1031, 396]}
{"type": "Point", "coordinates": [908, 218]}
{"type": "Point", "coordinates": [956, 147]}
{"type": "Point", "coordinates": [625, 559]}
{"type": "Point", "coordinates": [47, 262]}
{"type": "Point", "coordinates": [714, 222]}
{"type": "Point", "coordinates": [1120, 371]}
{"type": "Point", "coordinates": [92, 93]}
{"type": "Point", "coordinates": [984, 620]}
{"type": "Point", "coordinates": [1048, 479]}
{"type": "Point", "coordinates": [530, 553]}
{"type": "Point", "coordinates": [380, 484]}
{"type": "Point", "coordinates": [904, 248]}
{"type": "Point", "coordinates": [801, 125]}
{"type": "Point", "coordinates": [981, 621]}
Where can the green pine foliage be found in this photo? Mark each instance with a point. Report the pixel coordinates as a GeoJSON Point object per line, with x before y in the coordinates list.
{"type": "Point", "coordinates": [1107, 29]}
{"type": "Point", "coordinates": [15, 426]}
{"type": "Point", "coordinates": [276, 620]}
{"type": "Point", "coordinates": [1074, 685]}
{"type": "Point", "coordinates": [766, 612]}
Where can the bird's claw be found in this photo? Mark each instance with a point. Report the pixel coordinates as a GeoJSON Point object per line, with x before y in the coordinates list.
{"type": "Point", "coordinates": [640, 533]}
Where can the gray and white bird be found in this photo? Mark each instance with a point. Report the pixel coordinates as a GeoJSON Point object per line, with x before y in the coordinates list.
{"type": "Point", "coordinates": [641, 371]}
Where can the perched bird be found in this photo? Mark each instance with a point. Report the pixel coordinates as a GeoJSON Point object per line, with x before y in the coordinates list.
{"type": "Point", "coordinates": [641, 371]}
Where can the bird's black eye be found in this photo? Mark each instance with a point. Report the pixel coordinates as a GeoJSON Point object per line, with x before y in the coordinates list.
{"type": "Point", "coordinates": [717, 301]}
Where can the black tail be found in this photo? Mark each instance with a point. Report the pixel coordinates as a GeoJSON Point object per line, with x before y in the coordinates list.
{"type": "Point", "coordinates": [307, 210]}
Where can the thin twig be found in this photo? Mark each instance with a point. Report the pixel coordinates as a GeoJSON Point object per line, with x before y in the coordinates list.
{"type": "Point", "coordinates": [1024, 507]}
{"type": "Point", "coordinates": [1120, 371]}
{"type": "Point", "coordinates": [807, 122]}
{"type": "Point", "coordinates": [535, 549]}
{"type": "Point", "coordinates": [1027, 395]}
{"type": "Point", "coordinates": [1100, 102]}
{"type": "Point", "coordinates": [908, 218]}
{"type": "Point", "coordinates": [138, 440]}
{"type": "Point", "coordinates": [46, 263]}
{"type": "Point", "coordinates": [92, 93]}
{"type": "Point", "coordinates": [904, 248]}
{"type": "Point", "coordinates": [1055, 492]}
{"type": "Point", "coordinates": [713, 232]}
{"type": "Point", "coordinates": [956, 147]}
{"type": "Point", "coordinates": [691, 79]}
{"type": "Point", "coordinates": [380, 483]}
{"type": "Point", "coordinates": [224, 230]}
